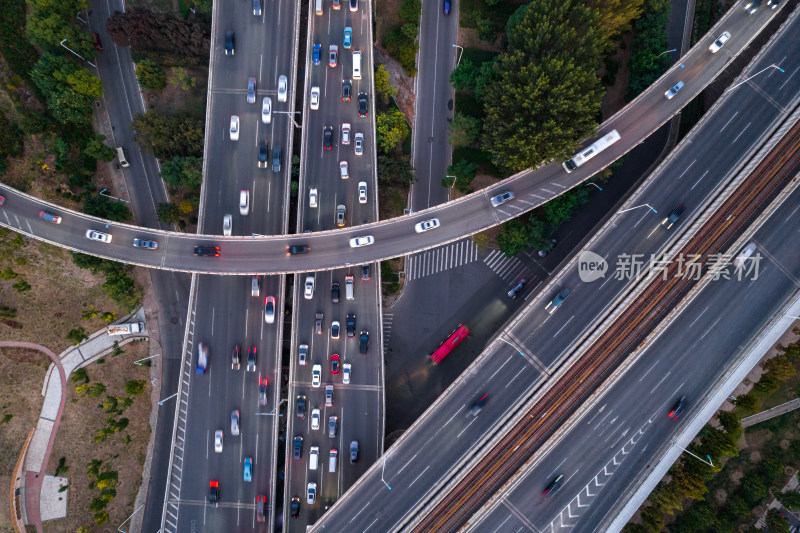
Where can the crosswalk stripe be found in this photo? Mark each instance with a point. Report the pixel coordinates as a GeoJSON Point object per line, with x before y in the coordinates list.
{"type": "Point", "coordinates": [510, 269]}
{"type": "Point", "coordinates": [442, 259]}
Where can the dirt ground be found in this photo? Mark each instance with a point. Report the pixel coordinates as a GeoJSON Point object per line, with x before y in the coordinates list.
{"type": "Point", "coordinates": [83, 416]}
{"type": "Point", "coordinates": [173, 100]}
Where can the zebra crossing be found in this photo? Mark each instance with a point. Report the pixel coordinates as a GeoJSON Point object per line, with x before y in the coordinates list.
{"type": "Point", "coordinates": [440, 259]}
{"type": "Point", "coordinates": [387, 329]}
{"type": "Point", "coordinates": [509, 269]}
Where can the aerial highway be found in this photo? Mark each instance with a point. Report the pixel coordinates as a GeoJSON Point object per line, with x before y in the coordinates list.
{"type": "Point", "coordinates": [225, 438]}
{"type": "Point", "coordinates": [330, 197]}
{"type": "Point", "coordinates": [515, 366]}
{"type": "Point", "coordinates": [255, 253]}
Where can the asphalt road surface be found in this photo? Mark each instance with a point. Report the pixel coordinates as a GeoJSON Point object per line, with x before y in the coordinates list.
{"type": "Point", "coordinates": [473, 213]}
{"type": "Point", "coordinates": [225, 312]}
{"type": "Point", "coordinates": [357, 406]}
{"type": "Point", "coordinates": [536, 341]}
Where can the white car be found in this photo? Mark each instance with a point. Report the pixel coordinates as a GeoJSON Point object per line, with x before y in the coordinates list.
{"type": "Point", "coordinates": [244, 202]}
{"type": "Point", "coordinates": [309, 292]}
{"type": "Point", "coordinates": [98, 236]}
{"type": "Point", "coordinates": [266, 110]}
{"type": "Point", "coordinates": [302, 354]}
{"type": "Point", "coordinates": [721, 40]}
{"type": "Point", "coordinates": [315, 417]}
{"type": "Point", "coordinates": [346, 133]}
{"type": "Point", "coordinates": [269, 309]}
{"type": "Point", "coordinates": [346, 373]}
{"type": "Point", "coordinates": [312, 198]}
{"type": "Point", "coordinates": [311, 493]}
{"type": "Point", "coordinates": [362, 192]}
{"type": "Point", "coordinates": [315, 98]}
{"type": "Point", "coordinates": [365, 240]}
{"type": "Point", "coordinates": [316, 376]}
{"type": "Point", "coordinates": [234, 127]}
{"type": "Point", "coordinates": [359, 148]}
{"type": "Point", "coordinates": [234, 423]}
{"type": "Point", "coordinates": [672, 91]}
{"type": "Point", "coordinates": [227, 225]}
{"type": "Point", "coordinates": [218, 441]}
{"type": "Point", "coordinates": [426, 225]}
{"type": "Point", "coordinates": [343, 170]}
{"type": "Point", "coordinates": [283, 88]}
{"type": "Point", "coordinates": [335, 329]}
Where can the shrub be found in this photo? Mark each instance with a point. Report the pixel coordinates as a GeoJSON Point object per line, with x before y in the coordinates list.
{"type": "Point", "coordinates": [135, 386]}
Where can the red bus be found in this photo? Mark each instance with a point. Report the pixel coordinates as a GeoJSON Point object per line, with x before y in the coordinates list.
{"type": "Point", "coordinates": [455, 338]}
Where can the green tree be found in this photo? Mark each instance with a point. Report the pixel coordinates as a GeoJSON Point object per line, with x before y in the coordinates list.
{"type": "Point", "coordinates": [168, 213]}
{"type": "Point", "coordinates": [747, 403]}
{"type": "Point", "coordinates": [62, 467]}
{"type": "Point", "coordinates": [464, 171]}
{"type": "Point", "coordinates": [395, 169]}
{"type": "Point", "coordinates": [55, 78]}
{"type": "Point", "coordinates": [77, 335]}
{"type": "Point", "coordinates": [464, 129]}
{"type": "Point", "coordinates": [696, 519]}
{"type": "Point", "coordinates": [666, 497]}
{"type": "Point", "coordinates": [178, 77]}
{"type": "Point", "coordinates": [716, 443]}
{"type": "Point", "coordinates": [102, 517]}
{"type": "Point", "coordinates": [93, 467]}
{"type": "Point", "coordinates": [161, 35]}
{"type": "Point", "coordinates": [652, 518]}
{"type": "Point", "coordinates": [391, 129]}
{"type": "Point", "coordinates": [616, 15]}
{"type": "Point", "coordinates": [538, 233]}
{"type": "Point", "coordinates": [776, 522]}
{"type": "Point", "coordinates": [168, 135]}
{"type": "Point", "coordinates": [790, 500]}
{"type": "Point", "coordinates": [108, 480]}
{"type": "Point", "coordinates": [22, 286]}
{"type": "Point", "coordinates": [402, 47]}
{"type": "Point", "coordinates": [7, 273]}
{"type": "Point", "coordinates": [83, 82]}
{"type": "Point", "coordinates": [151, 75]}
{"type": "Point", "coordinates": [753, 488]}
{"type": "Point", "coordinates": [513, 238]}
{"type": "Point", "coordinates": [631, 527]}
{"type": "Point", "coordinates": [183, 171]}
{"type": "Point", "coordinates": [729, 421]}
{"type": "Point", "coordinates": [767, 384]}
{"type": "Point", "coordinates": [780, 367]}
{"type": "Point", "coordinates": [410, 11]}
{"type": "Point", "coordinates": [122, 289]}
{"type": "Point", "coordinates": [737, 508]}
{"type": "Point", "coordinates": [95, 148]}
{"type": "Point", "coordinates": [80, 374]}
{"type": "Point", "coordinates": [104, 207]}
{"type": "Point", "coordinates": [688, 483]}
{"type": "Point", "coordinates": [135, 386]}
{"type": "Point", "coordinates": [383, 84]}
{"type": "Point", "coordinates": [96, 390]}
{"type": "Point", "coordinates": [769, 467]}
{"type": "Point", "coordinates": [465, 76]}
{"type": "Point", "coordinates": [562, 207]}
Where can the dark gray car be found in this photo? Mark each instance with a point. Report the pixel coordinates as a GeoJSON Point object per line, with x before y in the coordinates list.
{"type": "Point", "coordinates": [354, 451]}
{"type": "Point", "coordinates": [276, 159]}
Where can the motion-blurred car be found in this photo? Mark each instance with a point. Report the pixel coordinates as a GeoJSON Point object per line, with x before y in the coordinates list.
{"type": "Point", "coordinates": [677, 409]}
{"type": "Point", "coordinates": [314, 103]}
{"type": "Point", "coordinates": [235, 422]}
{"type": "Point", "coordinates": [218, 441]}
{"type": "Point", "coordinates": [553, 486]}
{"type": "Point", "coordinates": [251, 359]}
{"type": "Point", "coordinates": [446, 7]}
{"type": "Point", "coordinates": [672, 91]}
{"type": "Point", "coordinates": [298, 249]}
{"type": "Point", "coordinates": [269, 309]}
{"type": "Point", "coordinates": [283, 88]}
{"type": "Point", "coordinates": [673, 216]}
{"type": "Point", "coordinates": [230, 43]}
{"type": "Point", "coordinates": [207, 251]}
{"type": "Point", "coordinates": [202, 359]}
{"type": "Point", "coordinates": [262, 391]}
{"type": "Point", "coordinates": [502, 198]}
{"type": "Point", "coordinates": [251, 91]}
{"type": "Point", "coordinates": [719, 43]}
{"type": "Point", "coordinates": [213, 493]}
{"type": "Point", "coordinates": [99, 236]}
{"type": "Point", "coordinates": [236, 357]}
{"type": "Point", "coordinates": [476, 407]}
{"type": "Point", "coordinates": [141, 243]}
{"type": "Point", "coordinates": [247, 474]}
{"type": "Point", "coordinates": [263, 152]}
{"type": "Point", "coordinates": [557, 301]}
{"type": "Point", "coordinates": [513, 293]}
{"type": "Point", "coordinates": [363, 342]}
{"type": "Point", "coordinates": [266, 110]}
{"type": "Point", "coordinates": [234, 127]}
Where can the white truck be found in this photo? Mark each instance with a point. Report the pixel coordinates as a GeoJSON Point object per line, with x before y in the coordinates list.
{"type": "Point", "coordinates": [126, 329]}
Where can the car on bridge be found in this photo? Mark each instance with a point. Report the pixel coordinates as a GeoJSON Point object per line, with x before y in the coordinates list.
{"type": "Point", "coordinates": [141, 243]}
{"type": "Point", "coordinates": [99, 236]}
{"type": "Point", "coordinates": [719, 43]}
{"type": "Point", "coordinates": [316, 54]}
{"type": "Point", "coordinates": [672, 91]}
{"type": "Point", "coordinates": [476, 407]}
{"type": "Point", "coordinates": [235, 422]}
{"type": "Point", "coordinates": [315, 419]}
{"type": "Point", "coordinates": [300, 406]}
{"type": "Point", "coordinates": [335, 364]}
{"type": "Point", "coordinates": [347, 38]}
{"type": "Point", "coordinates": [207, 251]}
{"type": "Point", "coordinates": [363, 343]}
{"type": "Point", "coordinates": [673, 216]}
{"type": "Point", "coordinates": [314, 104]}
{"type": "Point", "coordinates": [677, 408]}
{"type": "Point", "coordinates": [202, 359]}
{"type": "Point", "coordinates": [234, 127]}
{"type": "Point", "coordinates": [283, 88]}
{"type": "Point", "coordinates": [213, 493]}
{"type": "Point", "coordinates": [230, 43]}
{"type": "Point", "coordinates": [247, 474]}
{"type": "Point", "coordinates": [263, 151]}
{"type": "Point", "coordinates": [426, 225]}
{"type": "Point", "coordinates": [557, 301]}
{"type": "Point", "coordinates": [346, 373]}
{"type": "Point", "coordinates": [362, 105]}
{"type": "Point", "coordinates": [218, 441]}
{"type": "Point", "coordinates": [297, 447]}
{"type": "Point", "coordinates": [251, 91]}
{"type": "Point", "coordinates": [266, 110]}
{"type": "Point", "coordinates": [311, 495]}
{"type": "Point", "coordinates": [316, 376]}
{"type": "Point", "coordinates": [364, 240]}
{"type": "Point", "coordinates": [269, 309]}
{"type": "Point", "coordinates": [502, 198]}
{"type": "Point", "coordinates": [298, 249]}
{"type": "Point", "coordinates": [350, 323]}
{"type": "Point", "coordinates": [251, 359]}
{"type": "Point", "coordinates": [302, 354]}
{"type": "Point", "coordinates": [553, 486]}
{"type": "Point", "coordinates": [295, 507]}
{"type": "Point", "coordinates": [236, 357]}
{"type": "Point", "coordinates": [262, 391]}
{"type": "Point", "coordinates": [47, 217]}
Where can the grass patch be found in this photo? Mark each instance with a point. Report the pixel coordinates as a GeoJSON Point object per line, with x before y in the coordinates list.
{"type": "Point", "coordinates": [393, 201]}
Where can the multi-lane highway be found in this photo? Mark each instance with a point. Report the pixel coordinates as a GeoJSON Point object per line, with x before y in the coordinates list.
{"type": "Point", "coordinates": [325, 193]}
{"type": "Point", "coordinates": [473, 213]}
{"type": "Point", "coordinates": [534, 345]}
{"type": "Point", "coordinates": [228, 313]}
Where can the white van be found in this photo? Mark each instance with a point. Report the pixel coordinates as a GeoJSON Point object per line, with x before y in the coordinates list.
{"type": "Point", "coordinates": [356, 65]}
{"type": "Point", "coordinates": [332, 461]}
{"type": "Point", "coordinates": [121, 156]}
{"type": "Point", "coordinates": [318, 7]}
{"type": "Point", "coordinates": [348, 287]}
{"type": "Point", "coordinates": [313, 457]}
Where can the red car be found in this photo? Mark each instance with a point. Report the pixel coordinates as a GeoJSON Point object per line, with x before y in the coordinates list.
{"type": "Point", "coordinates": [335, 363]}
{"type": "Point", "coordinates": [97, 44]}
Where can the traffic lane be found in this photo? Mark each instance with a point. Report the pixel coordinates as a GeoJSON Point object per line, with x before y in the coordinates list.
{"type": "Point", "coordinates": [664, 373]}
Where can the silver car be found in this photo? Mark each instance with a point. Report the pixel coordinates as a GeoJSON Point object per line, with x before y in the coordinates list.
{"type": "Point", "coordinates": [673, 90]}
{"type": "Point", "coordinates": [283, 88]}
{"type": "Point", "coordinates": [235, 422]}
{"type": "Point", "coordinates": [266, 110]}
{"type": "Point", "coordinates": [257, 8]}
{"type": "Point", "coordinates": [251, 91]}
{"type": "Point", "coordinates": [502, 198]}
{"type": "Point", "coordinates": [359, 146]}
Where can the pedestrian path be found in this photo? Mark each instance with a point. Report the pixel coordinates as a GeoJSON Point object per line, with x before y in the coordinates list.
{"type": "Point", "coordinates": [441, 259]}
{"type": "Point", "coordinates": [387, 329]}
{"type": "Point", "coordinates": [778, 410]}
{"type": "Point", "coordinates": [509, 269]}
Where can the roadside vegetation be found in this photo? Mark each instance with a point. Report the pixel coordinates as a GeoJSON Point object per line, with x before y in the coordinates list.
{"type": "Point", "coordinates": [400, 41]}
{"type": "Point", "coordinates": [171, 55]}
{"type": "Point", "coordinates": [751, 465]}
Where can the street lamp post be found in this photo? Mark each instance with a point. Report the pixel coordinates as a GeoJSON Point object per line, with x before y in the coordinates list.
{"type": "Point", "coordinates": [139, 362]}
{"type": "Point", "coordinates": [638, 206]}
{"type": "Point", "coordinates": [102, 193]}
{"type": "Point", "coordinates": [732, 87]}
{"type": "Point", "coordinates": [667, 52]}
{"type": "Point", "coordinates": [454, 180]}
{"type": "Point", "coordinates": [131, 516]}
{"type": "Point", "coordinates": [459, 55]}
{"type": "Point", "coordinates": [594, 184]}
{"type": "Point", "coordinates": [296, 125]}
{"type": "Point", "coordinates": [167, 398]}
{"type": "Point", "coordinates": [382, 470]}
{"type": "Point", "coordinates": [76, 53]}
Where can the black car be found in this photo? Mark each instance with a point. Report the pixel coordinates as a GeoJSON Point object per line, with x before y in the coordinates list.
{"type": "Point", "coordinates": [206, 251]}
{"type": "Point", "coordinates": [213, 493]}
{"type": "Point", "coordinates": [478, 405]}
{"type": "Point", "coordinates": [553, 486]}
{"type": "Point", "coordinates": [262, 392]}
{"type": "Point", "coordinates": [673, 216]}
{"type": "Point", "coordinates": [335, 292]}
{"type": "Point", "coordinates": [300, 408]}
{"type": "Point", "coordinates": [230, 43]}
{"type": "Point", "coordinates": [362, 345]}
{"type": "Point", "coordinates": [298, 249]}
{"type": "Point", "coordinates": [354, 452]}
{"type": "Point", "coordinates": [295, 507]}
{"type": "Point", "coordinates": [547, 249]}
{"type": "Point", "coordinates": [251, 359]}
{"type": "Point", "coordinates": [263, 150]}
{"type": "Point", "coordinates": [353, 5]}
{"type": "Point", "coordinates": [365, 272]}
{"type": "Point", "coordinates": [677, 409]}
{"type": "Point", "coordinates": [346, 88]}
{"type": "Point", "coordinates": [362, 104]}
{"type": "Point", "coordinates": [327, 138]}
{"type": "Point", "coordinates": [298, 447]}
{"type": "Point", "coordinates": [351, 326]}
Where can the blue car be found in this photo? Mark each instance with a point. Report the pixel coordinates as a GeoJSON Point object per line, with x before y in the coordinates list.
{"type": "Point", "coordinates": [315, 57]}
{"type": "Point", "coordinates": [202, 359]}
{"type": "Point", "coordinates": [248, 469]}
{"type": "Point", "coordinates": [348, 38]}
{"type": "Point", "coordinates": [446, 7]}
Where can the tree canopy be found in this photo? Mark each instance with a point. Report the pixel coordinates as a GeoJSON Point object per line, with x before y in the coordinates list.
{"type": "Point", "coordinates": [147, 30]}
{"type": "Point", "coordinates": [169, 135]}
